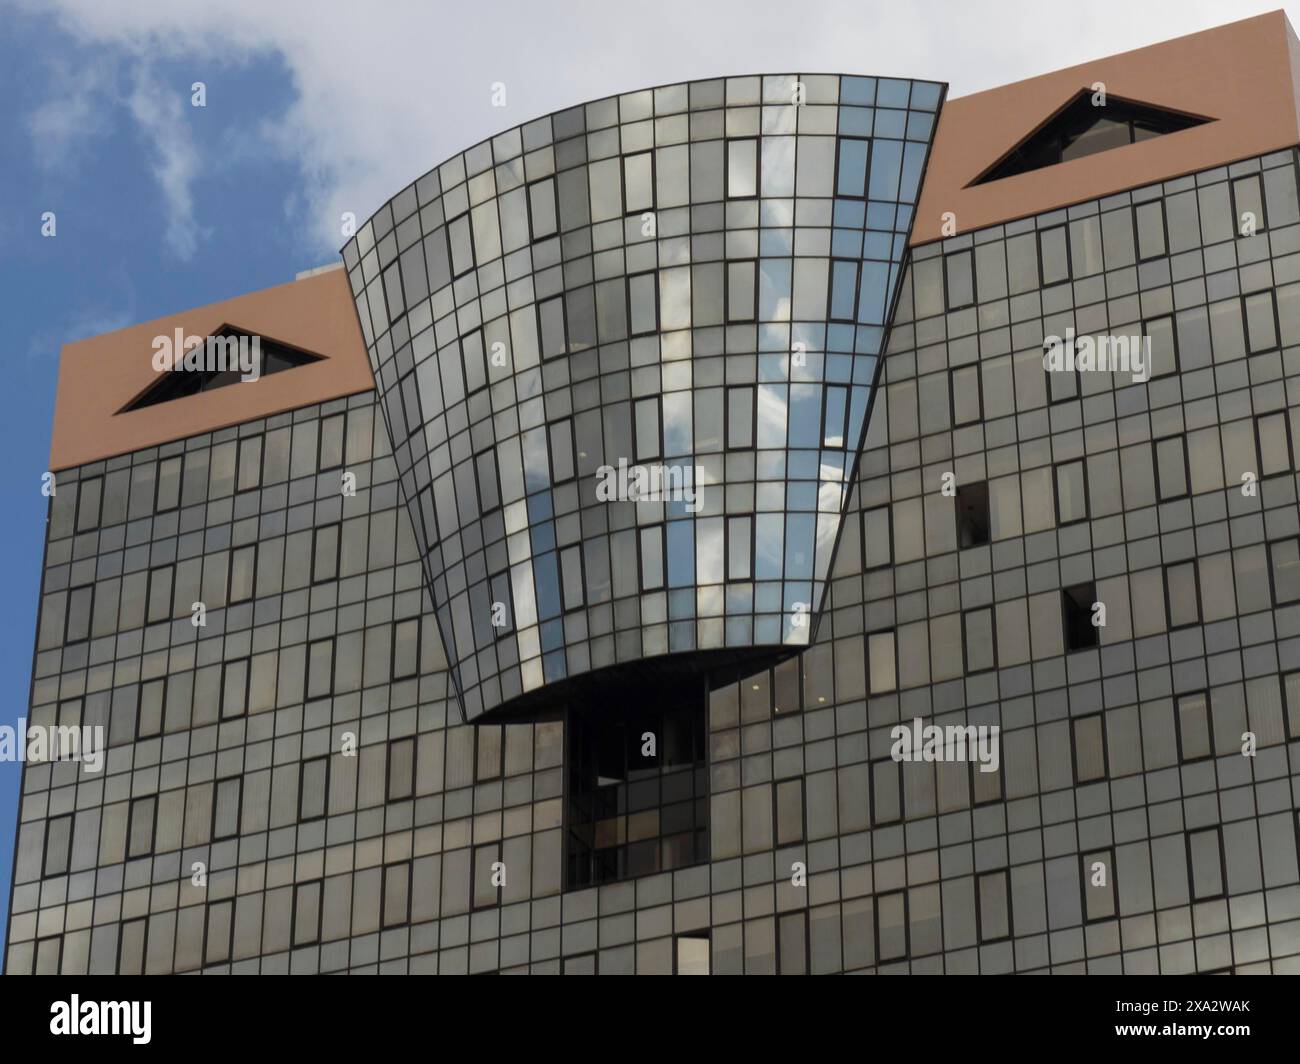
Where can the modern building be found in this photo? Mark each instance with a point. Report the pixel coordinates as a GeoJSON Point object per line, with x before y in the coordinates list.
{"type": "Point", "coordinates": [789, 523]}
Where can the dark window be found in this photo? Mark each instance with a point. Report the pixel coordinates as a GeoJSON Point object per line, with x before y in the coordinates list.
{"type": "Point", "coordinates": [638, 787]}
{"type": "Point", "coordinates": [58, 845]}
{"type": "Point", "coordinates": [1077, 603]}
{"type": "Point", "coordinates": [220, 349]}
{"type": "Point", "coordinates": [972, 514]}
{"type": "Point", "coordinates": [1081, 129]}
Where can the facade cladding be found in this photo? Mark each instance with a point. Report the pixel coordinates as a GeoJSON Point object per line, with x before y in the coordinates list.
{"type": "Point", "coordinates": [350, 768]}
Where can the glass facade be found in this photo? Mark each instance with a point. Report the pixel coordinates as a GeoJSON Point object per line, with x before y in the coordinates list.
{"type": "Point", "coordinates": [692, 281]}
{"type": "Point", "coordinates": [291, 786]}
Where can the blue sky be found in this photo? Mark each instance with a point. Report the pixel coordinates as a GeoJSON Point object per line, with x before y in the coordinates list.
{"type": "Point", "coordinates": [313, 109]}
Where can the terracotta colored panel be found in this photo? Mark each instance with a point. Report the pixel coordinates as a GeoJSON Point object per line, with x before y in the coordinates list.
{"type": "Point", "coordinates": [1241, 75]}
{"type": "Point", "coordinates": [99, 376]}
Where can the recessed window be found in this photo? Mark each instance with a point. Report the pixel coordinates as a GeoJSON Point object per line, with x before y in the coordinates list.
{"type": "Point", "coordinates": [1083, 128]}
{"type": "Point", "coordinates": [638, 787]}
{"type": "Point", "coordinates": [1089, 738]}
{"type": "Point", "coordinates": [972, 514]}
{"type": "Point", "coordinates": [227, 347]}
{"type": "Point", "coordinates": [1076, 604]}
{"type": "Point", "coordinates": [1195, 730]}
{"type": "Point", "coordinates": [1071, 493]}
{"type": "Point", "coordinates": [691, 954]}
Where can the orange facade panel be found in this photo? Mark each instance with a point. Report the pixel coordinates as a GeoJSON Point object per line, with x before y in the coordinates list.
{"type": "Point", "coordinates": [98, 377]}
{"type": "Point", "coordinates": [1242, 75]}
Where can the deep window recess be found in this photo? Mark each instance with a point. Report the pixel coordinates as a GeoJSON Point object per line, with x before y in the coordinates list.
{"type": "Point", "coordinates": [1077, 603]}
{"type": "Point", "coordinates": [972, 514]}
{"type": "Point", "coordinates": [234, 344]}
{"type": "Point", "coordinates": [638, 787]}
{"type": "Point", "coordinates": [1082, 128]}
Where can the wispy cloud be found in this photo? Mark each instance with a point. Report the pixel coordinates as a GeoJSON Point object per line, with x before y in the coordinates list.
{"type": "Point", "coordinates": [174, 159]}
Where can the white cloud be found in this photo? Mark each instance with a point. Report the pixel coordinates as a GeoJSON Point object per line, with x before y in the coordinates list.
{"type": "Point", "coordinates": [384, 92]}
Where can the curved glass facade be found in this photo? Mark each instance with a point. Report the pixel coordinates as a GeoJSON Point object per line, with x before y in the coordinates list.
{"type": "Point", "coordinates": [625, 355]}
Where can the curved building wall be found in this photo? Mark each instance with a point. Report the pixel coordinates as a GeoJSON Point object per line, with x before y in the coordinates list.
{"type": "Point", "coordinates": [625, 355]}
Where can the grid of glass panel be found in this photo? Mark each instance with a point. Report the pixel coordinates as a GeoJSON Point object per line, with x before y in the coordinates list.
{"type": "Point", "coordinates": [696, 276]}
{"type": "Point", "coordinates": [301, 746]}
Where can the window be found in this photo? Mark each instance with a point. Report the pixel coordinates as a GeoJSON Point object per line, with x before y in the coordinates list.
{"type": "Point", "coordinates": [1171, 468]}
{"type": "Point", "coordinates": [228, 346]}
{"type": "Point", "coordinates": [972, 514]}
{"type": "Point", "coordinates": [243, 571]}
{"type": "Point", "coordinates": [1261, 321]}
{"type": "Point", "coordinates": [691, 954]}
{"type": "Point", "coordinates": [1099, 885]}
{"type": "Point", "coordinates": [1077, 605]}
{"type": "Point", "coordinates": [1205, 859]}
{"type": "Point", "coordinates": [313, 788]}
{"type": "Point", "coordinates": [851, 167]}
{"type": "Point", "coordinates": [740, 418]}
{"type": "Point", "coordinates": [959, 280]}
{"type": "Point", "coordinates": [1152, 241]}
{"type": "Point", "coordinates": [891, 926]}
{"type": "Point", "coordinates": [325, 554]}
{"type": "Point", "coordinates": [967, 395]}
{"type": "Point", "coordinates": [1182, 594]}
{"type": "Point", "coordinates": [226, 808]}
{"type": "Point", "coordinates": [994, 906]}
{"type": "Point", "coordinates": [742, 168]}
{"type": "Point", "coordinates": [1088, 735]}
{"type": "Point", "coordinates": [1284, 567]}
{"type": "Point", "coordinates": [1082, 128]}
{"type": "Point", "coordinates": [979, 642]}
{"type": "Point", "coordinates": [149, 713]}
{"type": "Point", "coordinates": [886, 792]}
{"type": "Point", "coordinates": [1195, 727]}
{"type": "Point", "coordinates": [789, 811]}
{"type": "Point", "coordinates": [234, 688]}
{"type": "Point", "coordinates": [139, 836]}
{"type": "Point", "coordinates": [397, 894]}
{"type": "Point", "coordinates": [58, 845]}
{"type": "Point", "coordinates": [307, 913]}
{"type": "Point", "coordinates": [882, 662]}
{"type": "Point", "coordinates": [792, 943]}
{"type": "Point", "coordinates": [581, 964]}
{"type": "Point", "coordinates": [1054, 255]}
{"type": "Point", "coordinates": [638, 788]}
{"type": "Point", "coordinates": [401, 769]}
{"type": "Point", "coordinates": [1071, 493]}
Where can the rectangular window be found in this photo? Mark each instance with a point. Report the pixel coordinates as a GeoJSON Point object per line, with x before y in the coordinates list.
{"type": "Point", "coordinates": [789, 811]}
{"type": "Point", "coordinates": [1089, 739]}
{"type": "Point", "coordinates": [320, 668]}
{"type": "Point", "coordinates": [967, 395]}
{"type": "Point", "coordinates": [740, 418]}
{"type": "Point", "coordinates": [160, 594]}
{"type": "Point", "coordinates": [1151, 230]}
{"type": "Point", "coordinates": [1099, 885]}
{"type": "Point", "coordinates": [1284, 565]}
{"type": "Point", "coordinates": [882, 662]}
{"type": "Point", "coordinates": [243, 573]}
{"type": "Point", "coordinates": [226, 808]}
{"type": "Point", "coordinates": [1195, 727]}
{"type": "Point", "coordinates": [542, 208]}
{"type": "Point", "coordinates": [959, 280]}
{"type": "Point", "coordinates": [502, 610]}
{"type": "Point", "coordinates": [397, 894]}
{"type": "Point", "coordinates": [1171, 468]}
{"type": "Point", "coordinates": [313, 788]}
{"type": "Point", "coordinates": [994, 906]}
{"type": "Point", "coordinates": [851, 167]}
{"type": "Point", "coordinates": [979, 642]}
{"type": "Point", "coordinates": [307, 913]}
{"type": "Point", "coordinates": [877, 538]}
{"type": "Point", "coordinates": [972, 515]}
{"type": "Point", "coordinates": [149, 717]}
{"type": "Point", "coordinates": [886, 792]}
{"type": "Point", "coordinates": [58, 843]}
{"type": "Point", "coordinates": [742, 168]}
{"type": "Point", "coordinates": [742, 291]}
{"type": "Point", "coordinates": [401, 769]}
{"type": "Point", "coordinates": [891, 926]}
{"type": "Point", "coordinates": [638, 182]}
{"type": "Point", "coordinates": [1182, 594]}
{"type": "Point", "coordinates": [691, 954]}
{"type": "Point", "coordinates": [1053, 247]}
{"type": "Point", "coordinates": [1071, 493]}
{"type": "Point", "coordinates": [234, 688]}
{"type": "Point", "coordinates": [250, 464]}
{"type": "Point", "coordinates": [1077, 604]}
{"type": "Point", "coordinates": [550, 327]}
{"type": "Point", "coordinates": [643, 303]}
{"type": "Point", "coordinates": [1205, 857]}
{"type": "Point", "coordinates": [325, 554]}
{"type": "Point", "coordinates": [1261, 321]}
{"type": "Point", "coordinates": [139, 837]}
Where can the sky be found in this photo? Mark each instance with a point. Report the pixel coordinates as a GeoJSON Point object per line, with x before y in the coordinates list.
{"type": "Point", "coordinates": [316, 109]}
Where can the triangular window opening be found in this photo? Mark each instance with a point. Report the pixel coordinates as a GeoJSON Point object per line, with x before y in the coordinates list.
{"type": "Point", "coordinates": [1084, 128]}
{"type": "Point", "coordinates": [176, 384]}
